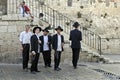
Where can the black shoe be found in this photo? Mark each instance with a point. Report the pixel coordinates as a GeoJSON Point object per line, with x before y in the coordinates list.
{"type": "Point", "coordinates": [49, 66]}
{"type": "Point", "coordinates": [37, 71]}
{"type": "Point", "coordinates": [33, 72]}
{"type": "Point", "coordinates": [75, 67]}
{"type": "Point", "coordinates": [57, 69]}
{"type": "Point", "coordinates": [28, 68]}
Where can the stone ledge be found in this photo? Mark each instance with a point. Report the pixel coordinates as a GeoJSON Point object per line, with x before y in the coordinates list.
{"type": "Point", "coordinates": [15, 18]}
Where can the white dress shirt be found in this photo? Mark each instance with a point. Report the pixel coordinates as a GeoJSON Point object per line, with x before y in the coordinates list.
{"type": "Point", "coordinates": [25, 37]}
{"type": "Point", "coordinates": [45, 46]}
{"type": "Point", "coordinates": [59, 44]}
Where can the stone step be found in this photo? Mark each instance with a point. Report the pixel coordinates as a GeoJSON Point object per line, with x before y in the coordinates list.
{"type": "Point", "coordinates": [15, 18]}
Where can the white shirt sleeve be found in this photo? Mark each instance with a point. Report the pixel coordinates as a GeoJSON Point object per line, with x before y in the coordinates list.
{"type": "Point", "coordinates": [21, 37]}
{"type": "Point", "coordinates": [70, 43]}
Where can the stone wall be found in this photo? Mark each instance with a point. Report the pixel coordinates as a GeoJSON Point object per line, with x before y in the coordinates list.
{"type": "Point", "coordinates": [9, 40]}
{"type": "Point", "coordinates": [3, 7]}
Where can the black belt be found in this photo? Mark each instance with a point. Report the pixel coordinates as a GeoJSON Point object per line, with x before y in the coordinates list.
{"type": "Point", "coordinates": [26, 44]}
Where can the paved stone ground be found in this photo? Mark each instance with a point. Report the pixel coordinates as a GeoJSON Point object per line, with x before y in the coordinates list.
{"type": "Point", "coordinates": [114, 57]}
{"type": "Point", "coordinates": [112, 68]}
{"type": "Point", "coordinates": [15, 72]}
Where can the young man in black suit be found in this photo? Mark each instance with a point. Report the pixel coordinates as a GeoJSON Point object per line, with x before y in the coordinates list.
{"type": "Point", "coordinates": [46, 41]}
{"type": "Point", "coordinates": [35, 48]}
{"type": "Point", "coordinates": [57, 44]}
{"type": "Point", "coordinates": [75, 38]}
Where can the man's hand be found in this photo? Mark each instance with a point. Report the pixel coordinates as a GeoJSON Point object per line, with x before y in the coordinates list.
{"type": "Point", "coordinates": [62, 44]}
{"type": "Point", "coordinates": [39, 41]}
{"type": "Point", "coordinates": [33, 53]}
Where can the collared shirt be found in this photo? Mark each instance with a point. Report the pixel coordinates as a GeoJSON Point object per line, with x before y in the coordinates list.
{"type": "Point", "coordinates": [45, 46]}
{"type": "Point", "coordinates": [25, 37]}
{"type": "Point", "coordinates": [59, 44]}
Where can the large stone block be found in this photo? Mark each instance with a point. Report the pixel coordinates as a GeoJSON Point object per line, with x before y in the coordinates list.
{"type": "Point", "coordinates": [7, 36]}
{"type": "Point", "coordinates": [3, 28]}
{"type": "Point", "coordinates": [6, 17]}
{"type": "Point", "coordinates": [1, 42]}
{"type": "Point", "coordinates": [1, 35]}
{"type": "Point", "coordinates": [22, 23]}
{"type": "Point", "coordinates": [3, 23]}
{"type": "Point", "coordinates": [20, 28]}
{"type": "Point", "coordinates": [3, 48]}
{"type": "Point", "coordinates": [11, 48]}
{"type": "Point", "coordinates": [12, 29]}
{"type": "Point", "coordinates": [12, 23]}
{"type": "Point", "coordinates": [15, 35]}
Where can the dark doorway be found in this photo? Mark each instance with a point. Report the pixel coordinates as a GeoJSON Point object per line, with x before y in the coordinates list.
{"type": "Point", "coordinates": [3, 7]}
{"type": "Point", "coordinates": [69, 2]}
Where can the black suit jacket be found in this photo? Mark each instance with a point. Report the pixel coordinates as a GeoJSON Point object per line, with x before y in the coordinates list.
{"type": "Point", "coordinates": [75, 37]}
{"type": "Point", "coordinates": [42, 42]}
{"type": "Point", "coordinates": [34, 43]}
{"type": "Point", "coordinates": [55, 41]}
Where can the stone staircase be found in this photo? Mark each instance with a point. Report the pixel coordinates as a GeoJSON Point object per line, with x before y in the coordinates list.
{"type": "Point", "coordinates": [106, 27]}
{"type": "Point", "coordinates": [12, 24]}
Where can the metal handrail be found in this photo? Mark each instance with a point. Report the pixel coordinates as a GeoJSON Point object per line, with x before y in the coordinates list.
{"type": "Point", "coordinates": [56, 18]}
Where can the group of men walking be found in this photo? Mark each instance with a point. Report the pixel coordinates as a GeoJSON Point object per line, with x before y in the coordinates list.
{"type": "Point", "coordinates": [44, 44]}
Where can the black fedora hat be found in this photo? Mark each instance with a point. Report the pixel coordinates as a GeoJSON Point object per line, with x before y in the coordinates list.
{"type": "Point", "coordinates": [59, 28]}
{"type": "Point", "coordinates": [45, 30]}
{"type": "Point", "coordinates": [41, 14]}
{"type": "Point", "coordinates": [36, 28]}
{"type": "Point", "coordinates": [76, 24]}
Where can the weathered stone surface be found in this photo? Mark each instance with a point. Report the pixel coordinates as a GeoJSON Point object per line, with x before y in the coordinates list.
{"type": "Point", "coordinates": [103, 14]}
{"type": "Point", "coordinates": [3, 23]}
{"type": "Point", "coordinates": [12, 29]}
{"type": "Point", "coordinates": [15, 72]}
{"type": "Point", "coordinates": [9, 40]}
{"type": "Point", "coordinates": [3, 28]}
{"type": "Point", "coordinates": [1, 42]}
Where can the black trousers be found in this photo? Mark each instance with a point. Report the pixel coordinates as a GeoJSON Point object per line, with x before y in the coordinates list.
{"type": "Point", "coordinates": [57, 57]}
{"type": "Point", "coordinates": [25, 55]}
{"type": "Point", "coordinates": [47, 58]}
{"type": "Point", "coordinates": [75, 56]}
{"type": "Point", "coordinates": [34, 63]}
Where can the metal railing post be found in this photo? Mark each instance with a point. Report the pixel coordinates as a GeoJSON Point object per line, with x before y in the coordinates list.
{"type": "Point", "coordinates": [100, 45]}
{"type": "Point", "coordinates": [54, 20]}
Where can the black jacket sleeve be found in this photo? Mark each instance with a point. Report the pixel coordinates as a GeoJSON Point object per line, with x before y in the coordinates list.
{"type": "Point", "coordinates": [80, 35]}
{"type": "Point", "coordinates": [70, 36]}
{"type": "Point", "coordinates": [32, 40]}
{"type": "Point", "coordinates": [53, 42]}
